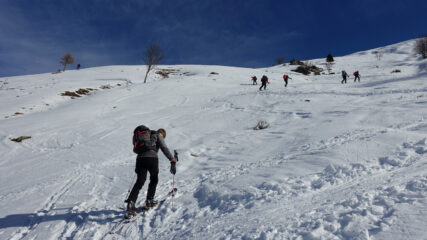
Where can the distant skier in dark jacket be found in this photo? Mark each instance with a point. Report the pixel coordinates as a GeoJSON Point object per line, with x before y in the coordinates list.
{"type": "Point", "coordinates": [285, 78]}
{"type": "Point", "coordinates": [78, 66]}
{"type": "Point", "coordinates": [254, 80]}
{"type": "Point", "coordinates": [356, 76]}
{"type": "Point", "coordinates": [264, 81]}
{"type": "Point", "coordinates": [344, 76]}
{"type": "Point", "coordinates": [148, 161]}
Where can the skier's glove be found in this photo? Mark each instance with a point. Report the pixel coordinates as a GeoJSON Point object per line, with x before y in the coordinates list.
{"type": "Point", "coordinates": [173, 168]}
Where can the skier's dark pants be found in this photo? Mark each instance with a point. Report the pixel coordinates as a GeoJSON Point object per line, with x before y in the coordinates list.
{"type": "Point", "coordinates": [344, 79]}
{"type": "Point", "coordinates": [264, 84]}
{"type": "Point", "coordinates": [142, 166]}
{"type": "Point", "coordinates": [286, 82]}
{"type": "Point", "coordinates": [356, 77]}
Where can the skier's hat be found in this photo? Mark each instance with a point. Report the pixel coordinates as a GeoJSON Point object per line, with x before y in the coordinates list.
{"type": "Point", "coordinates": [162, 131]}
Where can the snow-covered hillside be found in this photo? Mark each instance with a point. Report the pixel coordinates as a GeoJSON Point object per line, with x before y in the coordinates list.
{"type": "Point", "coordinates": [339, 161]}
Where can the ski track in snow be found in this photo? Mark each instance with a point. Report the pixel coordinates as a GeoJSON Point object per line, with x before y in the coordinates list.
{"type": "Point", "coordinates": [337, 162]}
{"type": "Point", "coordinates": [333, 180]}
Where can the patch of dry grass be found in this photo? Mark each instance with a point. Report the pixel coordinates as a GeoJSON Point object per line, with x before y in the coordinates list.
{"type": "Point", "coordinates": [78, 93]}
{"type": "Point", "coordinates": [165, 72]}
{"type": "Point", "coordinates": [20, 139]}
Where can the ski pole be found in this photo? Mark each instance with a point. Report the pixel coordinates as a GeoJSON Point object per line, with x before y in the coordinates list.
{"type": "Point", "coordinates": [173, 187]}
{"type": "Point", "coordinates": [130, 186]}
{"type": "Point", "coordinates": [175, 153]}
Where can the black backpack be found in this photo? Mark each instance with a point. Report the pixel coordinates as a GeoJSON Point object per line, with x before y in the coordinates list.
{"type": "Point", "coordinates": [264, 79]}
{"type": "Point", "coordinates": [144, 139]}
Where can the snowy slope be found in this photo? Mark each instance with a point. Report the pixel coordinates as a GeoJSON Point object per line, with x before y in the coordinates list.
{"type": "Point", "coordinates": [337, 162]}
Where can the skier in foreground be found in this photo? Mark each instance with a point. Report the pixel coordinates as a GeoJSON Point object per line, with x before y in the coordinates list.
{"type": "Point", "coordinates": [146, 144]}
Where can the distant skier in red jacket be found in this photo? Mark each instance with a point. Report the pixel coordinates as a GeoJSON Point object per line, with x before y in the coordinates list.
{"type": "Point", "coordinates": [254, 80]}
{"type": "Point", "coordinates": [356, 76]}
{"type": "Point", "coordinates": [285, 78]}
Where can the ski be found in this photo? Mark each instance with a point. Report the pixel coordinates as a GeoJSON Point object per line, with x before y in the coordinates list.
{"type": "Point", "coordinates": [144, 208]}
{"type": "Point", "coordinates": [131, 217]}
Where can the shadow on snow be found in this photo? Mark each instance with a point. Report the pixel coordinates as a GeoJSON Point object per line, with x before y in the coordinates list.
{"type": "Point", "coordinates": [31, 220]}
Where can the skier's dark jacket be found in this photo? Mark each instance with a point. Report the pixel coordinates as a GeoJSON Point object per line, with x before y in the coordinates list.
{"type": "Point", "coordinates": [160, 143]}
{"type": "Point", "coordinates": [264, 79]}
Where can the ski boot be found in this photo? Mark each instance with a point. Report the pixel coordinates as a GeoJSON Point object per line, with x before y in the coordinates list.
{"type": "Point", "coordinates": [131, 210]}
{"type": "Point", "coordinates": [149, 203]}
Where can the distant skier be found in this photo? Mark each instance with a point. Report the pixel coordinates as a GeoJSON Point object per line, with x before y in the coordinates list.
{"type": "Point", "coordinates": [78, 66]}
{"type": "Point", "coordinates": [344, 77]}
{"type": "Point", "coordinates": [285, 78]}
{"type": "Point", "coordinates": [264, 81]}
{"type": "Point", "coordinates": [146, 144]}
{"type": "Point", "coordinates": [254, 80]}
{"type": "Point", "coordinates": [356, 76]}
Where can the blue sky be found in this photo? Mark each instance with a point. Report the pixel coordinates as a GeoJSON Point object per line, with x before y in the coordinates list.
{"type": "Point", "coordinates": [35, 34]}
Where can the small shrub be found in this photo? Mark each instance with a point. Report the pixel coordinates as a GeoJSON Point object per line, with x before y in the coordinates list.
{"type": "Point", "coordinates": [396, 71]}
{"type": "Point", "coordinates": [295, 62]}
{"type": "Point", "coordinates": [315, 69]}
{"type": "Point", "coordinates": [307, 68]}
{"type": "Point", "coordinates": [329, 58]}
{"type": "Point", "coordinates": [302, 69]}
{"type": "Point", "coordinates": [105, 87]}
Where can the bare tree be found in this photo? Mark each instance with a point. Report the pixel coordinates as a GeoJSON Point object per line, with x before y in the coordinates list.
{"type": "Point", "coordinates": [280, 60]}
{"type": "Point", "coordinates": [421, 46]}
{"type": "Point", "coordinates": [378, 54]}
{"type": "Point", "coordinates": [153, 55]}
{"type": "Point", "coordinates": [67, 59]}
{"type": "Point", "coordinates": [329, 67]}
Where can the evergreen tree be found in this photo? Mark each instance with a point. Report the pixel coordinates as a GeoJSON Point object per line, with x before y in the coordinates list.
{"type": "Point", "coordinates": [329, 58]}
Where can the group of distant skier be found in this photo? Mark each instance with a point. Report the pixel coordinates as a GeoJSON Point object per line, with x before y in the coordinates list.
{"type": "Point", "coordinates": [345, 75]}
{"type": "Point", "coordinates": [264, 81]}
